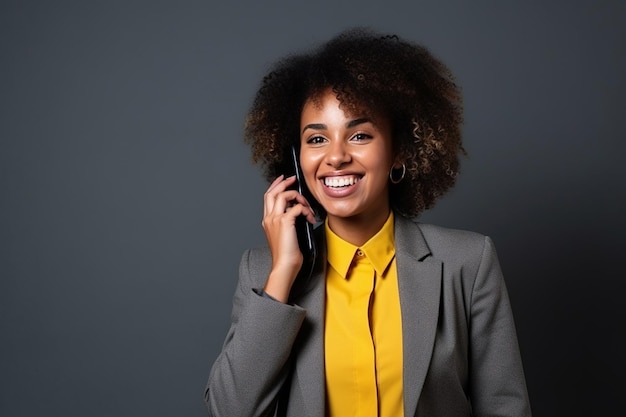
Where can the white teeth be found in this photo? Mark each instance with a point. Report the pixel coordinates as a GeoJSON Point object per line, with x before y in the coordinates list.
{"type": "Point", "coordinates": [337, 182]}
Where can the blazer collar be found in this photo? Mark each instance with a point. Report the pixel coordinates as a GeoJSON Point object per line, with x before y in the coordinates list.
{"type": "Point", "coordinates": [419, 282]}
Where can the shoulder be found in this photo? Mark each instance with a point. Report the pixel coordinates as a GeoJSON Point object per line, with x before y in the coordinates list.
{"type": "Point", "coordinates": [254, 267]}
{"type": "Point", "coordinates": [257, 255]}
{"type": "Point", "coordinates": [441, 237]}
{"type": "Point", "coordinates": [443, 243]}
{"type": "Point", "coordinates": [465, 255]}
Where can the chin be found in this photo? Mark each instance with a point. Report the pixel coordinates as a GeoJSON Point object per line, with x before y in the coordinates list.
{"type": "Point", "coordinates": [341, 212]}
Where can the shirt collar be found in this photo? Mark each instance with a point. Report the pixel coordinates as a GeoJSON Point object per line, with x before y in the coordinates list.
{"type": "Point", "coordinates": [379, 249]}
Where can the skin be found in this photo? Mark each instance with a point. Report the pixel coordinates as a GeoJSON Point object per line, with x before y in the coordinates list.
{"type": "Point", "coordinates": [335, 146]}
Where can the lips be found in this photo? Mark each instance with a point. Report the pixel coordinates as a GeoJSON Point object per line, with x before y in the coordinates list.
{"type": "Point", "coordinates": [341, 181]}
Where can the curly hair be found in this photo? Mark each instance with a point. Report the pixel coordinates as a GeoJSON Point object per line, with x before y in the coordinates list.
{"type": "Point", "coordinates": [372, 72]}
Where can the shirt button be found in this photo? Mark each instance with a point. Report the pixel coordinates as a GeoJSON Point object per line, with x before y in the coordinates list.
{"type": "Point", "coordinates": [359, 253]}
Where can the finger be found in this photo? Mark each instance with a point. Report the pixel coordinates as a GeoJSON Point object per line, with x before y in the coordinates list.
{"type": "Point", "coordinates": [284, 200]}
{"type": "Point", "coordinates": [279, 185]}
{"type": "Point", "coordinates": [307, 211]}
{"type": "Point", "coordinates": [276, 181]}
{"type": "Point", "coordinates": [310, 214]}
{"type": "Point", "coordinates": [301, 210]}
{"type": "Point", "coordinates": [302, 200]}
{"type": "Point", "coordinates": [285, 211]}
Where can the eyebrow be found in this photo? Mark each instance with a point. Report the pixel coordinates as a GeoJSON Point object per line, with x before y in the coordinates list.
{"type": "Point", "coordinates": [351, 123]}
{"type": "Point", "coordinates": [315, 126]}
{"type": "Point", "coordinates": [357, 122]}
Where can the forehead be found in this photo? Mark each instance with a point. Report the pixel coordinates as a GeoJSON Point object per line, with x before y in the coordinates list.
{"type": "Point", "coordinates": [350, 108]}
{"type": "Point", "coordinates": [327, 112]}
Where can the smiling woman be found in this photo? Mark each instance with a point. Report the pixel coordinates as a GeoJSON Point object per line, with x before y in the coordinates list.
{"type": "Point", "coordinates": [399, 318]}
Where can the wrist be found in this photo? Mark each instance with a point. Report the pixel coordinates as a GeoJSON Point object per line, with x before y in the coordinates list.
{"type": "Point", "coordinates": [278, 285]}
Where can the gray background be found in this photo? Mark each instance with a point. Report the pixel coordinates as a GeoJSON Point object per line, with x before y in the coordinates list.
{"type": "Point", "coordinates": [127, 195]}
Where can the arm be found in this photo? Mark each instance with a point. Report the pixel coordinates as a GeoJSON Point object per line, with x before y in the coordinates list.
{"type": "Point", "coordinates": [249, 372]}
{"type": "Point", "coordinates": [497, 382]}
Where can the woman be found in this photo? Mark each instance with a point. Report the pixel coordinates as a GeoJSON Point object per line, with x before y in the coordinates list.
{"type": "Point", "coordinates": [398, 318]}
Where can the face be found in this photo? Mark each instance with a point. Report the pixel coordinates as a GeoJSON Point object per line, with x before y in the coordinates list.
{"type": "Point", "coordinates": [345, 160]}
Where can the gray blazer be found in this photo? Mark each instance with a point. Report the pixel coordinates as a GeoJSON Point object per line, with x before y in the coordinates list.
{"type": "Point", "coordinates": [460, 350]}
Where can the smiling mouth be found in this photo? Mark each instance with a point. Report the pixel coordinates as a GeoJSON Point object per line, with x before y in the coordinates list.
{"type": "Point", "coordinates": [341, 182]}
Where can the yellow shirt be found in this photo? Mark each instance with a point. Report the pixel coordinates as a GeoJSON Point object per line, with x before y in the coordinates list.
{"type": "Point", "coordinates": [363, 327]}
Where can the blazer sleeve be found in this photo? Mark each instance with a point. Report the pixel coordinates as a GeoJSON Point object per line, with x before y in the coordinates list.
{"type": "Point", "coordinates": [246, 377]}
{"type": "Point", "coordinates": [497, 382]}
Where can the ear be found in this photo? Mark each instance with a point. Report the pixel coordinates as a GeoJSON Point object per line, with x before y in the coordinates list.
{"type": "Point", "coordinates": [400, 157]}
{"type": "Point", "coordinates": [397, 162]}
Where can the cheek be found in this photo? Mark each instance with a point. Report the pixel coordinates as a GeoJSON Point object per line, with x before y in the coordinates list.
{"type": "Point", "coordinates": [308, 165]}
{"type": "Point", "coordinates": [377, 161]}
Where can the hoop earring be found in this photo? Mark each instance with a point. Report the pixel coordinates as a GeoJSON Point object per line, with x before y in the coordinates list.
{"type": "Point", "coordinates": [397, 180]}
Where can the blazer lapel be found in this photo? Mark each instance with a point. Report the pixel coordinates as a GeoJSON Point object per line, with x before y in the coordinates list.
{"type": "Point", "coordinates": [309, 369]}
{"type": "Point", "coordinates": [419, 282]}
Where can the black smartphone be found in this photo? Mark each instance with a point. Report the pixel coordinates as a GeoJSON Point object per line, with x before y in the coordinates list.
{"type": "Point", "coordinates": [304, 229]}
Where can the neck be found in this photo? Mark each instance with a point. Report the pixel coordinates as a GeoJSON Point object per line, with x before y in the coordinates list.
{"type": "Point", "coordinates": [357, 229]}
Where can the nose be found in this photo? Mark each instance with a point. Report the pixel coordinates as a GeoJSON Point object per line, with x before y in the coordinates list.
{"type": "Point", "coordinates": [337, 154]}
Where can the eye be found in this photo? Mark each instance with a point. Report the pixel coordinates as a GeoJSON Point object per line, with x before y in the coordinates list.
{"type": "Point", "coordinates": [359, 137]}
{"type": "Point", "coordinates": [316, 140]}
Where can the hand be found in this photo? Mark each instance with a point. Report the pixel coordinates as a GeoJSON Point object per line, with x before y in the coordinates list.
{"type": "Point", "coordinates": [281, 208]}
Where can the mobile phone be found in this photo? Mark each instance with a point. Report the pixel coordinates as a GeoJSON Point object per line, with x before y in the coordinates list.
{"type": "Point", "coordinates": [304, 229]}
